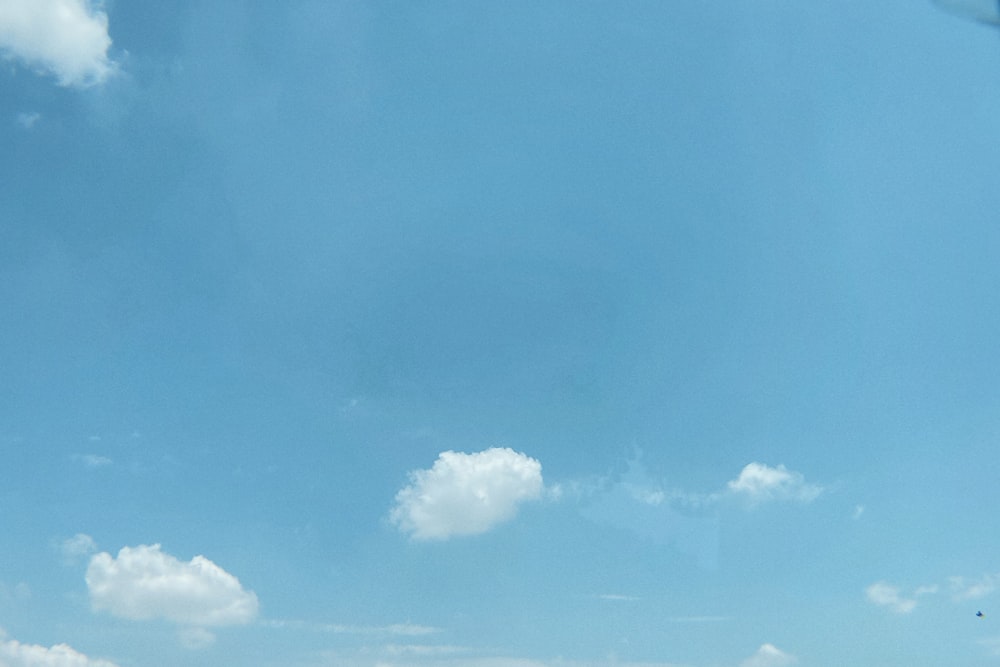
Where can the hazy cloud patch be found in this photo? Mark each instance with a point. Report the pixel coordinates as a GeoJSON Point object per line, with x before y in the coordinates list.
{"type": "Point", "coordinates": [93, 460]}
{"type": "Point", "coordinates": [466, 494]}
{"type": "Point", "coordinates": [27, 119]}
{"type": "Point", "coordinates": [964, 589]}
{"type": "Point", "coordinates": [67, 38]}
{"type": "Point", "coordinates": [886, 595]}
{"type": "Point", "coordinates": [77, 548]}
{"type": "Point", "coordinates": [395, 629]}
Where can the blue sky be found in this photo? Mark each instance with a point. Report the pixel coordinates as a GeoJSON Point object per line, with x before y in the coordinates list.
{"type": "Point", "coordinates": [527, 334]}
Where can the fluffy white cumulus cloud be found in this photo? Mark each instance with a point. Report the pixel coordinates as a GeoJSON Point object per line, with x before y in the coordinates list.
{"type": "Point", "coordinates": [68, 38]}
{"type": "Point", "coordinates": [769, 655]}
{"type": "Point", "coordinates": [887, 595]}
{"type": "Point", "coordinates": [16, 654]}
{"type": "Point", "coordinates": [466, 494]}
{"type": "Point", "coordinates": [145, 583]}
{"type": "Point", "coordinates": [758, 482]}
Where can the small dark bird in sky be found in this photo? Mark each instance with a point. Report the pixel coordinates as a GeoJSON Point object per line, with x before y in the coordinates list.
{"type": "Point", "coordinates": [979, 614]}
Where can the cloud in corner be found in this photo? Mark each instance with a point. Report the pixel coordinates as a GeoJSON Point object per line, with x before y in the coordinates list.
{"type": "Point", "coordinates": [15, 654]}
{"type": "Point", "coordinates": [67, 38]}
{"type": "Point", "coordinates": [466, 494]}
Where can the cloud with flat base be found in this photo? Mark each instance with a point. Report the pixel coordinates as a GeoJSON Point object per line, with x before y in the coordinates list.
{"type": "Point", "coordinates": [466, 494]}
{"type": "Point", "coordinates": [143, 583]}
{"type": "Point", "coordinates": [15, 654]}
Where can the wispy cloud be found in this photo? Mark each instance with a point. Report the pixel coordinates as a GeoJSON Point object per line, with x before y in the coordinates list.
{"type": "Point", "coordinates": [20, 592]}
{"type": "Point", "coordinates": [27, 119]}
{"type": "Point", "coordinates": [963, 589]}
{"type": "Point", "coordinates": [466, 494]}
{"type": "Point", "coordinates": [93, 460]}
{"type": "Point", "coordinates": [68, 38]}
{"type": "Point", "coordinates": [886, 595]}
{"type": "Point", "coordinates": [394, 629]}
{"type": "Point", "coordinates": [144, 583]}
{"type": "Point", "coordinates": [77, 548]}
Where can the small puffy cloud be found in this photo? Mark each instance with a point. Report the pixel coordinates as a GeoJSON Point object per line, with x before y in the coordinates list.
{"type": "Point", "coordinates": [68, 38]}
{"type": "Point", "coordinates": [466, 494]}
{"type": "Point", "coordinates": [77, 547]}
{"type": "Point", "coordinates": [16, 654]}
{"type": "Point", "coordinates": [769, 655]}
{"type": "Point", "coordinates": [758, 482]}
{"type": "Point", "coordinates": [886, 595]}
{"type": "Point", "coordinates": [145, 583]}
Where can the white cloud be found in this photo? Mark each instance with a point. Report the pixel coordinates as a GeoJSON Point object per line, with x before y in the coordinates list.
{"type": "Point", "coordinates": [93, 460]}
{"type": "Point", "coordinates": [769, 655]}
{"type": "Point", "coordinates": [758, 482]}
{"type": "Point", "coordinates": [77, 547]}
{"type": "Point", "coordinates": [68, 38]}
{"type": "Point", "coordinates": [145, 583]}
{"type": "Point", "coordinates": [16, 654]}
{"type": "Point", "coordinates": [961, 589]}
{"type": "Point", "coordinates": [887, 595]}
{"type": "Point", "coordinates": [396, 629]}
{"type": "Point", "coordinates": [466, 494]}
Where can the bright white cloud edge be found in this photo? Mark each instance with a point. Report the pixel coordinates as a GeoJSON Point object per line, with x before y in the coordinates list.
{"type": "Point", "coordinates": [769, 655]}
{"type": "Point", "coordinates": [466, 494]}
{"type": "Point", "coordinates": [759, 482]}
{"type": "Point", "coordinates": [67, 38]}
{"type": "Point", "coordinates": [15, 654]}
{"type": "Point", "coordinates": [144, 583]}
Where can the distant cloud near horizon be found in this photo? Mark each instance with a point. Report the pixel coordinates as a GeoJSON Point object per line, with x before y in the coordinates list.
{"type": "Point", "coordinates": [15, 654]}
{"type": "Point", "coordinates": [67, 38]}
{"type": "Point", "coordinates": [769, 655]}
{"type": "Point", "coordinates": [466, 494]}
{"type": "Point", "coordinates": [144, 583]}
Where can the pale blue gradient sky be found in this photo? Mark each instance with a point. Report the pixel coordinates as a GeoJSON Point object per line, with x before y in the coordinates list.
{"type": "Point", "coordinates": [267, 263]}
